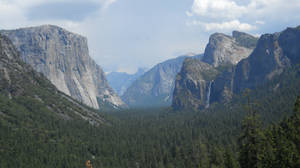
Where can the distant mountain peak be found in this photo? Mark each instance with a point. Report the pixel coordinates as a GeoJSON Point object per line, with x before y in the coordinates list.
{"type": "Point", "coordinates": [120, 81]}
{"type": "Point", "coordinates": [155, 87]}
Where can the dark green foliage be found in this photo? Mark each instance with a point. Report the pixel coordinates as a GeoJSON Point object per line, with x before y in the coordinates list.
{"type": "Point", "coordinates": [284, 140]}
{"type": "Point", "coordinates": [276, 147]}
{"type": "Point", "coordinates": [229, 159]}
{"type": "Point", "coordinates": [251, 141]}
{"type": "Point", "coordinates": [33, 136]}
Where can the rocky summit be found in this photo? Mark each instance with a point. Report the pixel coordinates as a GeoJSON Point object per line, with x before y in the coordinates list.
{"type": "Point", "coordinates": [63, 57]}
{"type": "Point", "coordinates": [224, 49]}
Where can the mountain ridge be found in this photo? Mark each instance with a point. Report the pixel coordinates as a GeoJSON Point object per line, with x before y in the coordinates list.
{"type": "Point", "coordinates": [272, 54]}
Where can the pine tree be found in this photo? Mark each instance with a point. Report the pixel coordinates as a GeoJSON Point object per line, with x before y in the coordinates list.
{"type": "Point", "coordinates": [251, 141]}
{"type": "Point", "coordinates": [229, 160]}
{"type": "Point", "coordinates": [286, 141]}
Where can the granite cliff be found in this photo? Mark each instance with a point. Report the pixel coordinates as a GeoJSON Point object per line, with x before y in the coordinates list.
{"type": "Point", "coordinates": [271, 56]}
{"type": "Point", "coordinates": [63, 57]}
{"type": "Point", "coordinates": [193, 84]}
{"type": "Point", "coordinates": [197, 86]}
{"type": "Point", "coordinates": [274, 53]}
{"type": "Point", "coordinates": [23, 90]}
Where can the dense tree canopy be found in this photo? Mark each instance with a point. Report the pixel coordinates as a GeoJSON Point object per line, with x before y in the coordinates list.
{"type": "Point", "coordinates": [31, 136]}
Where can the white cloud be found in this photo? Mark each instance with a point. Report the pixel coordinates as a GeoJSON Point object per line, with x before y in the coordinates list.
{"type": "Point", "coordinates": [10, 15]}
{"type": "Point", "coordinates": [260, 22]}
{"type": "Point", "coordinates": [216, 14]}
{"type": "Point", "coordinates": [231, 25]}
{"type": "Point", "coordinates": [217, 9]}
{"type": "Point", "coordinates": [224, 26]}
{"type": "Point", "coordinates": [107, 3]}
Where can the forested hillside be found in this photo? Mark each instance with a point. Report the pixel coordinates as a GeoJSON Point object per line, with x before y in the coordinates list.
{"type": "Point", "coordinates": [154, 137]}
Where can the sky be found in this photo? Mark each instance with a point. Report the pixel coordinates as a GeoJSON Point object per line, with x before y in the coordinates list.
{"type": "Point", "coordinates": [124, 35]}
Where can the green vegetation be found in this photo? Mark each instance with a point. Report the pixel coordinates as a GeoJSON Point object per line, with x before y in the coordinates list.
{"type": "Point", "coordinates": [31, 135]}
{"type": "Point", "coordinates": [275, 147]}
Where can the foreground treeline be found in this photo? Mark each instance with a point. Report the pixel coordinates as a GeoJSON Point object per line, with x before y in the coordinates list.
{"type": "Point", "coordinates": [265, 133]}
{"type": "Point", "coordinates": [276, 147]}
{"type": "Point", "coordinates": [151, 140]}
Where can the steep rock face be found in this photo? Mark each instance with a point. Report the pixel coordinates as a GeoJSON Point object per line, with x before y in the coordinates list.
{"type": "Point", "coordinates": [28, 89]}
{"type": "Point", "coordinates": [193, 85]}
{"type": "Point", "coordinates": [120, 81]}
{"type": "Point", "coordinates": [224, 49]}
{"type": "Point", "coordinates": [223, 86]}
{"type": "Point", "coordinates": [273, 53]}
{"type": "Point", "coordinates": [222, 53]}
{"type": "Point", "coordinates": [63, 58]}
{"type": "Point", "coordinates": [268, 59]}
{"type": "Point", "coordinates": [155, 87]}
{"type": "Point", "coordinates": [244, 39]}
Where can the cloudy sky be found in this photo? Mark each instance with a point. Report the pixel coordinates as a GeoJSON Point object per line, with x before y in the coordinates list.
{"type": "Point", "coordinates": [126, 34]}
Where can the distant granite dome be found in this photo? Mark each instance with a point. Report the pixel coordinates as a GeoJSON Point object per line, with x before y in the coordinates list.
{"type": "Point", "coordinates": [155, 88]}
{"type": "Point", "coordinates": [63, 57]}
{"type": "Point", "coordinates": [120, 81]}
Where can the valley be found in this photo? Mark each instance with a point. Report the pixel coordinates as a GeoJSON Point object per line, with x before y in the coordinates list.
{"type": "Point", "coordinates": [235, 105]}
